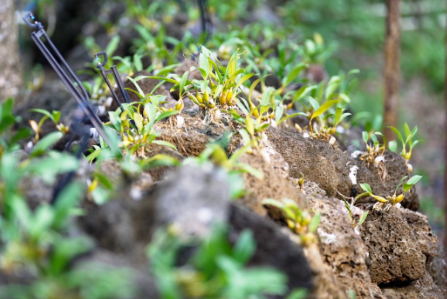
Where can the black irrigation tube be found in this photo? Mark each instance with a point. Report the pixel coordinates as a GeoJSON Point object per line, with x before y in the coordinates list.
{"type": "Point", "coordinates": [67, 76]}
{"type": "Point", "coordinates": [113, 71]}
{"type": "Point", "coordinates": [78, 118]}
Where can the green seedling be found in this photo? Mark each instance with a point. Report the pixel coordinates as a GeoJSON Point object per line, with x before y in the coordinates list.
{"type": "Point", "coordinates": [135, 140]}
{"type": "Point", "coordinates": [298, 220]}
{"type": "Point", "coordinates": [8, 140]}
{"type": "Point", "coordinates": [217, 269]}
{"type": "Point", "coordinates": [216, 154]}
{"type": "Point", "coordinates": [354, 221]}
{"type": "Point", "coordinates": [409, 135]}
{"type": "Point", "coordinates": [54, 116]}
{"type": "Point", "coordinates": [374, 151]}
{"type": "Point", "coordinates": [389, 201]}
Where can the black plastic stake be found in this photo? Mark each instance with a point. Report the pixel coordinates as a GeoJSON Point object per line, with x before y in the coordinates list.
{"type": "Point", "coordinates": [66, 75]}
{"type": "Point", "coordinates": [113, 71]}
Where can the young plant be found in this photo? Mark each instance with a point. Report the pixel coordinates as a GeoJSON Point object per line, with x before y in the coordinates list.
{"type": "Point", "coordinates": [136, 130]}
{"type": "Point", "coordinates": [216, 270]}
{"type": "Point", "coordinates": [374, 152]}
{"type": "Point", "coordinates": [355, 220]}
{"type": "Point", "coordinates": [409, 135]}
{"type": "Point", "coordinates": [9, 139]}
{"type": "Point", "coordinates": [216, 154]}
{"type": "Point", "coordinates": [298, 220]}
{"type": "Point", "coordinates": [389, 201]}
{"type": "Point", "coordinates": [54, 116]}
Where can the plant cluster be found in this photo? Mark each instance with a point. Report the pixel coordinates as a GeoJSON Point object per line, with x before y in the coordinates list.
{"type": "Point", "coordinates": [392, 200]}
{"type": "Point", "coordinates": [298, 220]}
{"type": "Point", "coordinates": [216, 270]}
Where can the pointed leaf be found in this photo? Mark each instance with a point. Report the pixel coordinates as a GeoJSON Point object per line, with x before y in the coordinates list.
{"type": "Point", "coordinates": [363, 218]}
{"type": "Point", "coordinates": [411, 182]}
{"type": "Point", "coordinates": [366, 187]}
{"type": "Point", "coordinates": [323, 108]}
{"type": "Point", "coordinates": [313, 225]}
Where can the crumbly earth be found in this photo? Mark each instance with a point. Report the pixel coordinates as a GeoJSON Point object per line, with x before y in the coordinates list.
{"type": "Point", "coordinates": [394, 254]}
{"type": "Point", "coordinates": [330, 168]}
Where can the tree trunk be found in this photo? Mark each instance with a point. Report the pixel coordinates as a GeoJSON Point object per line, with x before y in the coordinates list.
{"type": "Point", "coordinates": [10, 67]}
{"type": "Point", "coordinates": [445, 150]}
{"type": "Point", "coordinates": [392, 67]}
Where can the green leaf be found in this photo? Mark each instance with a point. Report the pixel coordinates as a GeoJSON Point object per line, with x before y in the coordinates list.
{"type": "Point", "coordinates": [159, 160]}
{"type": "Point", "coordinates": [337, 116]}
{"type": "Point", "coordinates": [333, 84]}
{"type": "Point", "coordinates": [166, 114]}
{"type": "Point", "coordinates": [138, 121]}
{"type": "Point", "coordinates": [347, 206]}
{"type": "Point", "coordinates": [244, 248]}
{"type": "Point", "coordinates": [398, 185]}
{"type": "Point", "coordinates": [294, 73]}
{"type": "Point", "coordinates": [365, 137]}
{"type": "Point", "coordinates": [65, 204]}
{"type": "Point", "coordinates": [44, 112]}
{"type": "Point", "coordinates": [204, 64]}
{"type": "Point", "coordinates": [56, 116]}
{"type": "Point", "coordinates": [56, 163]}
{"type": "Point", "coordinates": [363, 218]}
{"type": "Point", "coordinates": [134, 81]}
{"type": "Point", "coordinates": [398, 135]}
{"type": "Point", "coordinates": [302, 92]}
{"type": "Point", "coordinates": [253, 86]}
{"type": "Point", "coordinates": [273, 202]}
{"type": "Point", "coordinates": [290, 116]}
{"type": "Point", "coordinates": [411, 182]}
{"type": "Point", "coordinates": [183, 83]}
{"type": "Point", "coordinates": [251, 170]}
{"type": "Point", "coordinates": [313, 225]}
{"type": "Point", "coordinates": [323, 108]}
{"type": "Point", "coordinates": [407, 132]}
{"type": "Point", "coordinates": [243, 79]}
{"type": "Point", "coordinates": [392, 146]}
{"type": "Point", "coordinates": [165, 143]}
{"type": "Point", "coordinates": [42, 220]}
{"type": "Point", "coordinates": [45, 143]}
{"type": "Point", "coordinates": [279, 113]}
{"type": "Point", "coordinates": [366, 187]}
{"type": "Point", "coordinates": [315, 105]}
{"type": "Point", "coordinates": [113, 45]}
{"type": "Point", "coordinates": [298, 294]}
{"type": "Point", "coordinates": [137, 62]}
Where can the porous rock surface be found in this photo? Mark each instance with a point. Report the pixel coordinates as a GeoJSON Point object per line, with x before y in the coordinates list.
{"type": "Point", "coordinates": [394, 253]}
{"type": "Point", "coordinates": [330, 168]}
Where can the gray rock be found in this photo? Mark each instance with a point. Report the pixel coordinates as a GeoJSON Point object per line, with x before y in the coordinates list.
{"type": "Point", "coordinates": [274, 248]}
{"type": "Point", "coordinates": [191, 199]}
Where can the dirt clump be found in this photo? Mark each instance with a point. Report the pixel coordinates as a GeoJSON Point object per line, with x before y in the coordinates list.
{"type": "Point", "coordinates": [331, 168]}
{"type": "Point", "coordinates": [190, 139]}
{"type": "Point", "coordinates": [394, 255]}
{"type": "Point", "coordinates": [272, 185]}
{"type": "Point", "coordinates": [342, 248]}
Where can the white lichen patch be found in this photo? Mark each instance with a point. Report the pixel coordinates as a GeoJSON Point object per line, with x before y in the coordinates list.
{"type": "Point", "coordinates": [135, 193]}
{"type": "Point", "coordinates": [378, 160]}
{"type": "Point", "coordinates": [325, 237]}
{"type": "Point", "coordinates": [356, 154]}
{"type": "Point", "coordinates": [271, 156]}
{"type": "Point", "coordinates": [353, 174]}
{"type": "Point", "coordinates": [180, 121]}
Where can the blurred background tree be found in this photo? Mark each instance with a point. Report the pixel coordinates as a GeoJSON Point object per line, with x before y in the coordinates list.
{"type": "Point", "coordinates": [10, 66]}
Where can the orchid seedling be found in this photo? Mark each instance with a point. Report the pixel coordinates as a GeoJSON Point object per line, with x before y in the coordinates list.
{"type": "Point", "coordinates": [409, 134]}
{"type": "Point", "coordinates": [389, 201]}
{"type": "Point", "coordinates": [298, 220]}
